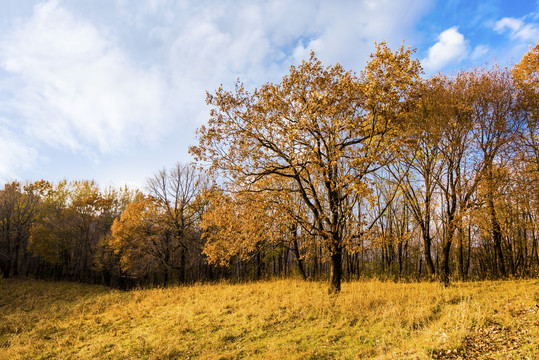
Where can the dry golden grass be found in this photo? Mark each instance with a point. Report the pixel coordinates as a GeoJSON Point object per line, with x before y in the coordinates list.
{"type": "Point", "coordinates": [271, 320]}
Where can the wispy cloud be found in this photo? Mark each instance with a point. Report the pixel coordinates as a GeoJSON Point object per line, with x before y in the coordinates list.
{"type": "Point", "coordinates": [451, 47]}
{"type": "Point", "coordinates": [518, 29]}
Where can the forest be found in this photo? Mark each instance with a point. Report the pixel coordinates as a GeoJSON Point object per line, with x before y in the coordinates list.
{"type": "Point", "coordinates": [328, 174]}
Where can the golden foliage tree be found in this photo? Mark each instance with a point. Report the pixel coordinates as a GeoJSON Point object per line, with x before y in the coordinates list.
{"type": "Point", "coordinates": [137, 238]}
{"type": "Point", "coordinates": [496, 121]}
{"type": "Point", "coordinates": [423, 160]}
{"type": "Point", "coordinates": [319, 134]}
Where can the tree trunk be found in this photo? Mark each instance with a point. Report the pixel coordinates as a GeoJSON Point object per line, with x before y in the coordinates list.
{"type": "Point", "coordinates": [497, 237]}
{"type": "Point", "coordinates": [298, 259]}
{"type": "Point", "coordinates": [461, 251]}
{"type": "Point", "coordinates": [427, 241]}
{"type": "Point", "coordinates": [400, 257]}
{"type": "Point", "coordinates": [183, 265]}
{"type": "Point", "coordinates": [258, 266]}
{"type": "Point", "coordinates": [165, 277]}
{"type": "Point", "coordinates": [426, 253]}
{"type": "Point", "coordinates": [467, 265]}
{"type": "Point", "coordinates": [335, 271]}
{"type": "Point", "coordinates": [495, 226]}
{"type": "Point", "coordinates": [15, 263]}
{"type": "Point", "coordinates": [446, 248]}
{"type": "Point", "coordinates": [535, 253]}
{"type": "Point", "coordinates": [445, 262]}
{"type": "Point", "coordinates": [6, 268]}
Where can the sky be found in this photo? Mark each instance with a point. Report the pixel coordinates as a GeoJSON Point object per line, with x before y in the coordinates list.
{"type": "Point", "coordinates": [114, 90]}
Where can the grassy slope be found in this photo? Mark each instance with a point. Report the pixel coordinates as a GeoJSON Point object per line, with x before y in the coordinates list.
{"type": "Point", "coordinates": [270, 320]}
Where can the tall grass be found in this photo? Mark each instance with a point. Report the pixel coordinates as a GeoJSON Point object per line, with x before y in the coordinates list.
{"type": "Point", "coordinates": [271, 320]}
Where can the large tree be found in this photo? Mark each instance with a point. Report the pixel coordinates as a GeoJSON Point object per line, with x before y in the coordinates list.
{"type": "Point", "coordinates": [461, 172]}
{"type": "Point", "coordinates": [160, 231]}
{"type": "Point", "coordinates": [493, 112]}
{"type": "Point", "coordinates": [320, 133]}
{"type": "Point", "coordinates": [422, 159]}
{"type": "Point", "coordinates": [526, 80]}
{"type": "Point", "coordinates": [177, 193]}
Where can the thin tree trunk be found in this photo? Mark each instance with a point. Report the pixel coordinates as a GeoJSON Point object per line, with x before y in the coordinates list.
{"type": "Point", "coordinates": [15, 264]}
{"type": "Point", "coordinates": [497, 237]}
{"type": "Point", "coordinates": [461, 252]}
{"type": "Point", "coordinates": [467, 265]}
{"type": "Point", "coordinates": [298, 259]}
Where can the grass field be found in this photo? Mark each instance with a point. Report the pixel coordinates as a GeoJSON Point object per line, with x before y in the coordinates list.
{"type": "Point", "coordinates": [270, 320]}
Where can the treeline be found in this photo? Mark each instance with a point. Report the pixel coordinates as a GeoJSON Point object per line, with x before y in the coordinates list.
{"type": "Point", "coordinates": [118, 237]}
{"type": "Point", "coordinates": [325, 175]}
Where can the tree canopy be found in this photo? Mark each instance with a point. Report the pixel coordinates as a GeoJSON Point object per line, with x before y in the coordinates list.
{"type": "Point", "coordinates": [319, 134]}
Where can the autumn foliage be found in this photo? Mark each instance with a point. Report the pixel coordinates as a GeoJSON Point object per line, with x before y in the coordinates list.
{"type": "Point", "coordinates": [326, 174]}
{"type": "Point", "coordinates": [318, 135]}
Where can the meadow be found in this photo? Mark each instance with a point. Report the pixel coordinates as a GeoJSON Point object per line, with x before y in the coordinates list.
{"type": "Point", "coordinates": [282, 319]}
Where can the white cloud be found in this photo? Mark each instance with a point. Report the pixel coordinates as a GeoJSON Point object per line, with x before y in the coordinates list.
{"type": "Point", "coordinates": [451, 47]}
{"type": "Point", "coordinates": [257, 41]}
{"type": "Point", "coordinates": [349, 29]}
{"type": "Point", "coordinates": [518, 29]}
{"type": "Point", "coordinates": [94, 89]}
{"type": "Point", "coordinates": [219, 43]}
{"type": "Point", "coordinates": [77, 88]}
{"type": "Point", "coordinates": [209, 43]}
{"type": "Point", "coordinates": [508, 23]}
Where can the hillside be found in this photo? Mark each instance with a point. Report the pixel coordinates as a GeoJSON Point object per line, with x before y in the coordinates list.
{"type": "Point", "coordinates": [270, 320]}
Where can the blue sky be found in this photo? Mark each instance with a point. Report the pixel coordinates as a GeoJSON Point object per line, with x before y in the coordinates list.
{"type": "Point", "coordinates": [113, 90]}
